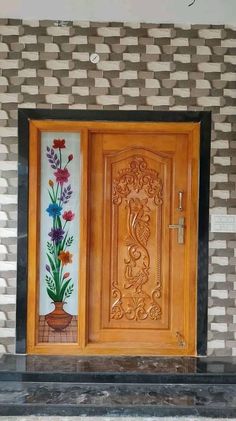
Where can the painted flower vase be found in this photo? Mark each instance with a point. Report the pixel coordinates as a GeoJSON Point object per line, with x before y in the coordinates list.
{"type": "Point", "coordinates": [58, 319]}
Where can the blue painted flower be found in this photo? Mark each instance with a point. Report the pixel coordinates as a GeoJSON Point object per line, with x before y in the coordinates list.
{"type": "Point", "coordinates": [54, 210]}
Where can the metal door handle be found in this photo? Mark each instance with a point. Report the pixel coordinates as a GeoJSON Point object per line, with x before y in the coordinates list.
{"type": "Point", "coordinates": [180, 227]}
{"type": "Point", "coordinates": [180, 200]}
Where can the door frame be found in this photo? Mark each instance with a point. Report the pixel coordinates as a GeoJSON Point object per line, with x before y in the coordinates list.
{"type": "Point", "coordinates": [202, 117]}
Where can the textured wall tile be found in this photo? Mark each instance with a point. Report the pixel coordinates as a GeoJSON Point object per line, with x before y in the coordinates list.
{"type": "Point", "coordinates": [9, 64]}
{"type": "Point", "coordinates": [78, 74]}
{"type": "Point", "coordinates": [78, 40]}
{"type": "Point", "coordinates": [152, 83]}
{"type": "Point", "coordinates": [180, 42]}
{"type": "Point", "coordinates": [161, 32]}
{"type": "Point", "coordinates": [28, 39]}
{"type": "Point", "coordinates": [102, 83]}
{"type": "Point", "coordinates": [230, 59]}
{"type": "Point", "coordinates": [142, 66]}
{"type": "Point", "coordinates": [131, 91]}
{"type": "Point", "coordinates": [219, 327]}
{"type": "Point", "coordinates": [185, 93]}
{"type": "Point", "coordinates": [109, 65]}
{"type": "Point", "coordinates": [219, 344]}
{"type": "Point", "coordinates": [160, 66]}
{"type": "Point", "coordinates": [109, 100]}
{"type": "Point", "coordinates": [135, 58]}
{"type": "Point", "coordinates": [223, 127]}
{"type": "Point", "coordinates": [209, 101]}
{"type": "Point", "coordinates": [80, 56]}
{"type": "Point", "coordinates": [102, 48]}
{"type": "Point", "coordinates": [229, 76]}
{"type": "Point", "coordinates": [210, 67]}
{"type": "Point", "coordinates": [58, 64]}
{"type": "Point", "coordinates": [183, 58]}
{"type": "Point", "coordinates": [30, 55]}
{"type": "Point", "coordinates": [159, 100]}
{"type": "Point", "coordinates": [129, 74]}
{"type": "Point", "coordinates": [210, 33]}
{"type": "Point", "coordinates": [27, 73]}
{"type": "Point", "coordinates": [129, 41]}
{"type": "Point", "coordinates": [216, 311]}
{"type": "Point", "coordinates": [80, 90]}
{"type": "Point", "coordinates": [58, 99]}
{"type": "Point", "coordinates": [229, 43]}
{"type": "Point", "coordinates": [153, 49]}
{"type": "Point", "coordinates": [3, 47]}
{"type": "Point", "coordinates": [221, 160]}
{"type": "Point", "coordinates": [110, 31]}
{"type": "Point", "coordinates": [58, 31]}
{"type": "Point", "coordinates": [9, 30]}
{"type": "Point", "coordinates": [179, 75]}
{"type": "Point", "coordinates": [222, 294]}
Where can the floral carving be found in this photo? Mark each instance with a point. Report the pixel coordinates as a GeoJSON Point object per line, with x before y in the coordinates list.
{"type": "Point", "coordinates": [136, 275]}
{"type": "Point", "coordinates": [136, 304]}
{"type": "Point", "coordinates": [135, 178]}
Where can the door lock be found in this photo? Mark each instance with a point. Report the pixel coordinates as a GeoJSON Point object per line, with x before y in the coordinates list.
{"type": "Point", "coordinates": [180, 227]}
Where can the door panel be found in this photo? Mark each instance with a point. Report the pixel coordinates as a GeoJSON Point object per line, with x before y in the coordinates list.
{"type": "Point", "coordinates": [138, 274]}
{"type": "Point", "coordinates": [134, 211]}
{"type": "Point", "coordinates": [138, 214]}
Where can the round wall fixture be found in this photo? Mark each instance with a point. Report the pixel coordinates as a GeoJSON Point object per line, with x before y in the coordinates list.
{"type": "Point", "coordinates": [94, 58]}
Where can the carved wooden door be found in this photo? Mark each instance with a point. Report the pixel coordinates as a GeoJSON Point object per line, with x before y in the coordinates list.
{"type": "Point", "coordinates": [143, 206]}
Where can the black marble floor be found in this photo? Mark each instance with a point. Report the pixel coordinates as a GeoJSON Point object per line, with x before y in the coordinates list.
{"type": "Point", "coordinates": [118, 369]}
{"type": "Point", "coordinates": [124, 386]}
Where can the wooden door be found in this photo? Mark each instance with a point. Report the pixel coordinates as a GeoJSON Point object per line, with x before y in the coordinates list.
{"type": "Point", "coordinates": [137, 257]}
{"type": "Point", "coordinates": [142, 269]}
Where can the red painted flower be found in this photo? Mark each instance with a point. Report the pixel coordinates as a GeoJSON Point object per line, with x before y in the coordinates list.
{"type": "Point", "coordinates": [66, 275]}
{"type": "Point", "coordinates": [58, 144]}
{"type": "Point", "coordinates": [62, 175]}
{"type": "Point", "coordinates": [70, 157]}
{"type": "Point", "coordinates": [68, 216]}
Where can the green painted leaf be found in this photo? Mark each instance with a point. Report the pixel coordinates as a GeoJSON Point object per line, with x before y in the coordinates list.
{"type": "Point", "coordinates": [51, 263]}
{"type": "Point", "coordinates": [63, 242]}
{"type": "Point", "coordinates": [69, 241]}
{"type": "Point", "coordinates": [59, 224]}
{"type": "Point", "coordinates": [63, 289]}
{"type": "Point", "coordinates": [52, 295]}
{"type": "Point", "coordinates": [69, 291]}
{"type": "Point", "coordinates": [50, 195]}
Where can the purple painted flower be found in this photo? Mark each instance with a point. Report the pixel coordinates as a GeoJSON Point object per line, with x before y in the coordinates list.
{"type": "Point", "coordinates": [52, 158]}
{"type": "Point", "coordinates": [56, 234]}
{"type": "Point", "coordinates": [48, 268]}
{"type": "Point", "coordinates": [67, 192]}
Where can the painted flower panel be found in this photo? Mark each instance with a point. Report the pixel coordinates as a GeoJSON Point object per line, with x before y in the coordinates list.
{"type": "Point", "coordinates": [59, 234]}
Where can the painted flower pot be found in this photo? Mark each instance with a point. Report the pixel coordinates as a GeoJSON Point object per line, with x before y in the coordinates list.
{"type": "Point", "coordinates": [58, 319]}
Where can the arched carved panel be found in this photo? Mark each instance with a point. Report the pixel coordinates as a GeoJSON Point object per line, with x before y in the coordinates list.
{"type": "Point", "coordinates": [134, 207]}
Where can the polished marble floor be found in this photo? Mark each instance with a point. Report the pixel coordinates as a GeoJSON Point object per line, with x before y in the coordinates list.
{"type": "Point", "coordinates": [118, 399]}
{"type": "Point", "coordinates": [33, 418]}
{"type": "Point", "coordinates": [117, 386]}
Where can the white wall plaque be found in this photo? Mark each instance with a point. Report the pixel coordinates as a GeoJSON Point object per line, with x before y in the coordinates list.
{"type": "Point", "coordinates": [223, 223]}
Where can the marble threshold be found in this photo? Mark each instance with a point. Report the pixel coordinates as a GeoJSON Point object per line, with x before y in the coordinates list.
{"type": "Point", "coordinates": [117, 386]}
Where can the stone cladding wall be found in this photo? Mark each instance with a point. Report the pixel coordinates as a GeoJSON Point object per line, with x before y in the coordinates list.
{"type": "Point", "coordinates": [45, 64]}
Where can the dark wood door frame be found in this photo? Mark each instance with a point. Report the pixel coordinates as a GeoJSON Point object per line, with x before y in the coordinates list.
{"type": "Point", "coordinates": [203, 117]}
